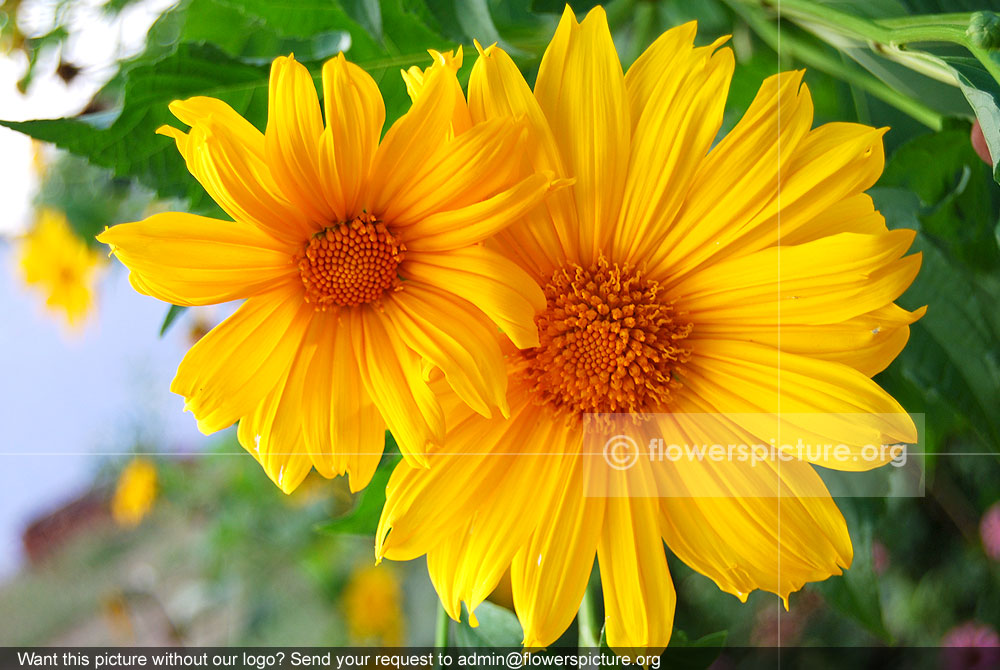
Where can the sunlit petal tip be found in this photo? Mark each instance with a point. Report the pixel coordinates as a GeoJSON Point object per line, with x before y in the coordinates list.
{"type": "Point", "coordinates": [719, 42]}
{"type": "Point", "coordinates": [487, 51]}
{"type": "Point", "coordinates": [561, 183]}
{"type": "Point", "coordinates": [569, 15]}
{"type": "Point", "coordinates": [171, 132]}
{"type": "Point", "coordinates": [597, 14]}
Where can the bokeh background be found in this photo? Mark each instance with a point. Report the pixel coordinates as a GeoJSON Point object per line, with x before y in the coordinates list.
{"type": "Point", "coordinates": [121, 524]}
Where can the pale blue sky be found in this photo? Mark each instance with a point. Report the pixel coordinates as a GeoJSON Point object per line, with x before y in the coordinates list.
{"type": "Point", "coordinates": [65, 399]}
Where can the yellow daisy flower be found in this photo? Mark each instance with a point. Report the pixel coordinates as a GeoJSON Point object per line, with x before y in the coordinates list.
{"type": "Point", "coordinates": [373, 606]}
{"type": "Point", "coordinates": [360, 262]}
{"type": "Point", "coordinates": [671, 287]}
{"type": "Point", "coordinates": [135, 492]}
{"type": "Point", "coordinates": [56, 260]}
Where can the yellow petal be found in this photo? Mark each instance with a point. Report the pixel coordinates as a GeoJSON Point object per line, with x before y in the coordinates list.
{"type": "Point", "coordinates": [498, 90]}
{"type": "Point", "coordinates": [552, 69]}
{"type": "Point", "coordinates": [272, 435]}
{"type": "Point", "coordinates": [468, 564]}
{"type": "Point", "coordinates": [226, 156]}
{"type": "Point", "coordinates": [422, 506]}
{"type": "Point", "coordinates": [355, 114]}
{"type": "Point", "coordinates": [230, 370]}
{"type": "Point", "coordinates": [454, 336]}
{"type": "Point", "coordinates": [740, 175]}
{"type": "Point", "coordinates": [867, 343]}
{"type": "Point", "coordinates": [343, 432]}
{"type": "Point", "coordinates": [391, 374]}
{"type": "Point", "coordinates": [502, 290]}
{"type": "Point", "coordinates": [855, 214]}
{"type": "Point", "coordinates": [681, 118]}
{"type": "Point", "coordinates": [791, 534]}
{"type": "Point", "coordinates": [829, 280]}
{"type": "Point", "coordinates": [457, 228]}
{"type": "Point", "coordinates": [664, 58]}
{"type": "Point", "coordinates": [294, 126]}
{"type": "Point", "coordinates": [201, 109]}
{"type": "Point", "coordinates": [581, 89]}
{"type": "Point", "coordinates": [193, 260]}
{"type": "Point", "coordinates": [414, 78]}
{"type": "Point", "coordinates": [639, 596]}
{"type": "Point", "coordinates": [486, 160]}
{"type": "Point", "coordinates": [418, 134]}
{"type": "Point", "coordinates": [549, 576]}
{"type": "Point", "coordinates": [821, 402]}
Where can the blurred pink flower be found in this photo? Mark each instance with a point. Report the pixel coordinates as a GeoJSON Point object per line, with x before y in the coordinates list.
{"type": "Point", "coordinates": [971, 646]}
{"type": "Point", "coordinates": [880, 557]}
{"type": "Point", "coordinates": [989, 531]}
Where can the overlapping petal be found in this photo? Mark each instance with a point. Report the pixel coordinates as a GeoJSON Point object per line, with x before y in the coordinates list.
{"type": "Point", "coordinates": [237, 364]}
{"type": "Point", "coordinates": [501, 289]}
{"type": "Point", "coordinates": [228, 158]}
{"type": "Point", "coordinates": [682, 93]}
{"type": "Point", "coordinates": [355, 115]}
{"type": "Point", "coordinates": [765, 526]}
{"type": "Point", "coordinates": [581, 90]}
{"type": "Point", "coordinates": [292, 138]}
{"type": "Point", "coordinates": [193, 260]}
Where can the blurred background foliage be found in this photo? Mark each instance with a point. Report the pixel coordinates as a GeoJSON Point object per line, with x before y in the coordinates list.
{"type": "Point", "coordinates": [220, 539]}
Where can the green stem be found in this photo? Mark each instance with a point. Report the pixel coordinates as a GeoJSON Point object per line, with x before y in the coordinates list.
{"type": "Point", "coordinates": [589, 630]}
{"type": "Point", "coordinates": [924, 28]}
{"type": "Point", "coordinates": [819, 59]}
{"type": "Point", "coordinates": [441, 631]}
{"type": "Point", "coordinates": [892, 32]}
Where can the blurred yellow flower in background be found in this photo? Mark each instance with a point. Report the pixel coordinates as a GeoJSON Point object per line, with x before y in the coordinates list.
{"type": "Point", "coordinates": [360, 262]}
{"type": "Point", "coordinates": [134, 493]}
{"type": "Point", "coordinates": [666, 297]}
{"type": "Point", "coordinates": [56, 261]}
{"type": "Point", "coordinates": [373, 606]}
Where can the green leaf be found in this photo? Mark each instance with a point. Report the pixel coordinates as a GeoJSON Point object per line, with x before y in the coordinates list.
{"type": "Point", "coordinates": [557, 6]}
{"type": "Point", "coordinates": [982, 90]}
{"type": "Point", "coordinates": [172, 314]}
{"type": "Point", "coordinates": [475, 19]}
{"type": "Point", "coordinates": [686, 654]}
{"type": "Point", "coordinates": [953, 356]}
{"type": "Point", "coordinates": [957, 195]}
{"type": "Point", "coordinates": [129, 145]}
{"type": "Point", "coordinates": [235, 73]}
{"type": "Point", "coordinates": [856, 593]}
{"type": "Point", "coordinates": [498, 627]}
{"type": "Point", "coordinates": [363, 518]}
{"type": "Point", "coordinates": [953, 351]}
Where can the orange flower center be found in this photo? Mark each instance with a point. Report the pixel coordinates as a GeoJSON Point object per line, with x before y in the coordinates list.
{"type": "Point", "coordinates": [350, 264]}
{"type": "Point", "coordinates": [610, 342]}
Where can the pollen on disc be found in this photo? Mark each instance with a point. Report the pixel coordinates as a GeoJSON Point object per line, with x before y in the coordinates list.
{"type": "Point", "coordinates": [609, 342]}
{"type": "Point", "coordinates": [350, 264]}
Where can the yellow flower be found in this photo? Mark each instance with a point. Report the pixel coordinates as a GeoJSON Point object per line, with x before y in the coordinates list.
{"type": "Point", "coordinates": [360, 262]}
{"type": "Point", "coordinates": [135, 492]}
{"type": "Point", "coordinates": [61, 264]}
{"type": "Point", "coordinates": [665, 293]}
{"type": "Point", "coordinates": [373, 606]}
